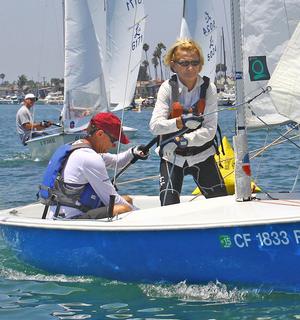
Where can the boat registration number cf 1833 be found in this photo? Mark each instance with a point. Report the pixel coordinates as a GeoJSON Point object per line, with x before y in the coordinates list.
{"type": "Point", "coordinates": [262, 239]}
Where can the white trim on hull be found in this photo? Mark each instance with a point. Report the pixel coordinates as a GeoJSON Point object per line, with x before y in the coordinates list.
{"type": "Point", "coordinates": [198, 214]}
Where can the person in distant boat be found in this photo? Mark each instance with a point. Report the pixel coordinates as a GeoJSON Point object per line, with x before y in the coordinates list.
{"type": "Point", "coordinates": [185, 117]}
{"type": "Point", "coordinates": [82, 187]}
{"type": "Point", "coordinates": [26, 128]}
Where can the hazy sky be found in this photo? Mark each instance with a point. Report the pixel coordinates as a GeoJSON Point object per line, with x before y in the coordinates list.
{"type": "Point", "coordinates": [31, 33]}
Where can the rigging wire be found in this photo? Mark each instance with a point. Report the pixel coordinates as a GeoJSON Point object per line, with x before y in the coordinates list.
{"type": "Point", "coordinates": [228, 32]}
{"type": "Point", "coordinates": [124, 100]}
{"type": "Point", "coordinates": [261, 158]}
{"type": "Point", "coordinates": [287, 20]}
{"type": "Point", "coordinates": [257, 152]}
{"type": "Point", "coordinates": [126, 85]}
{"type": "Point", "coordinates": [276, 130]}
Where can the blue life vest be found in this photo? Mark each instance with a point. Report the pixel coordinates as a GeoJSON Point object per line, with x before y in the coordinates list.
{"type": "Point", "coordinates": [54, 191]}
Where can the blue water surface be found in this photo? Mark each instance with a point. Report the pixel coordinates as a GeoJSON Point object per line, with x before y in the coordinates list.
{"type": "Point", "coordinates": [27, 293]}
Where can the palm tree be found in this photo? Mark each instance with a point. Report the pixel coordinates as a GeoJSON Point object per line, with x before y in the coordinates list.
{"type": "Point", "coordinates": [146, 48]}
{"type": "Point", "coordinates": [143, 75]}
{"type": "Point", "coordinates": [158, 53]}
{"type": "Point", "coordinates": [2, 76]}
{"type": "Point", "coordinates": [145, 64]}
{"type": "Point", "coordinates": [154, 61]}
{"type": "Point", "coordinates": [22, 80]}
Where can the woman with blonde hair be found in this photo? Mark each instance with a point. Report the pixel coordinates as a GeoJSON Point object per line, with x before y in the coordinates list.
{"type": "Point", "coordinates": [185, 117]}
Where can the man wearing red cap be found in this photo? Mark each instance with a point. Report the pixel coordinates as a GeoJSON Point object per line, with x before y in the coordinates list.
{"type": "Point", "coordinates": [86, 167]}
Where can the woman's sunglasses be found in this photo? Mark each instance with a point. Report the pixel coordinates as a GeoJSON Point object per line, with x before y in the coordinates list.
{"type": "Point", "coordinates": [186, 63]}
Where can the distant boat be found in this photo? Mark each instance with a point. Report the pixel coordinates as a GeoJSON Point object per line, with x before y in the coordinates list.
{"type": "Point", "coordinates": [9, 100]}
{"type": "Point", "coordinates": [91, 43]}
{"type": "Point", "coordinates": [226, 98]}
{"type": "Point", "coordinates": [54, 98]}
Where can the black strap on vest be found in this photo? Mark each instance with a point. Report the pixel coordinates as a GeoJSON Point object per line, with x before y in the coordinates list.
{"type": "Point", "coordinates": [188, 151]}
{"type": "Point", "coordinates": [203, 89]}
{"type": "Point", "coordinates": [173, 81]}
{"type": "Point", "coordinates": [56, 194]}
{"type": "Point", "coordinates": [174, 88]}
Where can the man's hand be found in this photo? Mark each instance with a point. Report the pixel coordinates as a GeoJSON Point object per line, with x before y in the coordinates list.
{"type": "Point", "coordinates": [46, 123]}
{"type": "Point", "coordinates": [191, 121]}
{"type": "Point", "coordinates": [140, 152]}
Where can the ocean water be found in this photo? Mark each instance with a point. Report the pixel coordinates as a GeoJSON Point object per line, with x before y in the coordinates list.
{"type": "Point", "coordinates": [28, 293]}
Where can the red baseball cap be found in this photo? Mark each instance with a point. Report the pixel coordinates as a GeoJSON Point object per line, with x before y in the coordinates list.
{"type": "Point", "coordinates": [110, 123]}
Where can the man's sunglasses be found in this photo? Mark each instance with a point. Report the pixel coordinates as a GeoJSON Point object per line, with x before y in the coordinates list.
{"type": "Point", "coordinates": [111, 138]}
{"type": "Point", "coordinates": [186, 63]}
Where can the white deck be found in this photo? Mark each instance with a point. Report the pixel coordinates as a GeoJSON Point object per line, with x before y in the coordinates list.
{"type": "Point", "coordinates": [200, 213]}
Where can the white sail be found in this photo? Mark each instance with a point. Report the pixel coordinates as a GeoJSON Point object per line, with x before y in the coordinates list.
{"type": "Point", "coordinates": [285, 81]}
{"type": "Point", "coordinates": [85, 92]}
{"type": "Point", "coordinates": [126, 25]}
{"type": "Point", "coordinates": [198, 22]}
{"type": "Point", "coordinates": [267, 26]}
{"type": "Point", "coordinates": [100, 27]}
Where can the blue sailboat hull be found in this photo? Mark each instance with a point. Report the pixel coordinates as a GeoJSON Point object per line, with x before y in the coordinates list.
{"type": "Point", "coordinates": [267, 255]}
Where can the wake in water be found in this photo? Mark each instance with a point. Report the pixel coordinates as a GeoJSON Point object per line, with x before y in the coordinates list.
{"type": "Point", "coordinates": [213, 292]}
{"type": "Point", "coordinates": [15, 158]}
{"type": "Point", "coordinates": [11, 274]}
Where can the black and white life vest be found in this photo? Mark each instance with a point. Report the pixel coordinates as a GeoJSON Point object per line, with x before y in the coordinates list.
{"type": "Point", "coordinates": [198, 109]}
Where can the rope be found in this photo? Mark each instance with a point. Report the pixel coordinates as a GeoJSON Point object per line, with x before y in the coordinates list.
{"type": "Point", "coordinates": [277, 141]}
{"type": "Point", "coordinates": [257, 152]}
{"type": "Point", "coordinates": [169, 176]}
{"type": "Point", "coordinates": [139, 179]}
{"type": "Point", "coordinates": [125, 94]}
{"type": "Point", "coordinates": [296, 180]}
{"type": "Point", "coordinates": [268, 126]}
{"type": "Point", "coordinates": [261, 159]}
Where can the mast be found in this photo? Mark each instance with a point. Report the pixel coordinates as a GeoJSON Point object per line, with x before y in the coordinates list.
{"type": "Point", "coordinates": [242, 162]}
{"type": "Point", "coordinates": [224, 56]}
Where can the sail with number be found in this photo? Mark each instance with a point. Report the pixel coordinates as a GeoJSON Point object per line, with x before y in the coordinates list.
{"type": "Point", "coordinates": [125, 44]}
{"type": "Point", "coordinates": [199, 23]}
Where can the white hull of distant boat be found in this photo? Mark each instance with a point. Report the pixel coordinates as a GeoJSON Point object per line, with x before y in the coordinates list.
{"type": "Point", "coordinates": [42, 148]}
{"type": "Point", "coordinates": [10, 100]}
{"type": "Point", "coordinates": [252, 243]}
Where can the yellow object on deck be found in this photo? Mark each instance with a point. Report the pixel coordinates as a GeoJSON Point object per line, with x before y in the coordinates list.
{"type": "Point", "coordinates": [226, 165]}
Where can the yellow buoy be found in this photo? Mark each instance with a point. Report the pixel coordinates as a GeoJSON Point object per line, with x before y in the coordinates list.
{"type": "Point", "coordinates": [226, 165]}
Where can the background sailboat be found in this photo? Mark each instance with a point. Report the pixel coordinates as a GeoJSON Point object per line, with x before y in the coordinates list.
{"type": "Point", "coordinates": [92, 56]}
